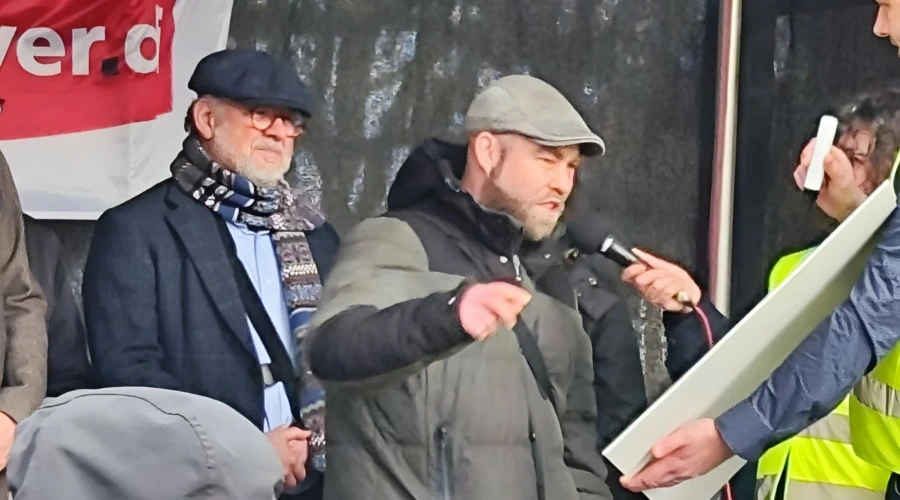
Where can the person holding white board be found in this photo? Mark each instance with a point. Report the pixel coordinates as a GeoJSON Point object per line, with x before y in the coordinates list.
{"type": "Point", "coordinates": [852, 349]}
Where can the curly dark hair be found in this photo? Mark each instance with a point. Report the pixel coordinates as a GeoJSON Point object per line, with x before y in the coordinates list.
{"type": "Point", "coordinates": [878, 112]}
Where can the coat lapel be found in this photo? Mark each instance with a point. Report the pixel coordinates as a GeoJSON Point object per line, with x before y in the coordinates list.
{"type": "Point", "coordinates": [195, 226]}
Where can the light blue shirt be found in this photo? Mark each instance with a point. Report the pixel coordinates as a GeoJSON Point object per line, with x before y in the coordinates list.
{"type": "Point", "coordinates": [256, 251]}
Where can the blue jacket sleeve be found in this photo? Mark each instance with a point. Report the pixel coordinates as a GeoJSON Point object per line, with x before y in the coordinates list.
{"type": "Point", "coordinates": [817, 376]}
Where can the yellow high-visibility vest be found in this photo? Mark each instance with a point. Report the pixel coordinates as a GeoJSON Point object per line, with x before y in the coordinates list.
{"type": "Point", "coordinates": [822, 463]}
{"type": "Point", "coordinates": [875, 404]}
{"type": "Point", "coordinates": [875, 414]}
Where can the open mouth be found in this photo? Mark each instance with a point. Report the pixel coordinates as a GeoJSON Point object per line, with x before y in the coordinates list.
{"type": "Point", "coordinates": [551, 205]}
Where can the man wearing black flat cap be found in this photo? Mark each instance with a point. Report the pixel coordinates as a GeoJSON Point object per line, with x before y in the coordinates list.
{"type": "Point", "coordinates": [204, 283]}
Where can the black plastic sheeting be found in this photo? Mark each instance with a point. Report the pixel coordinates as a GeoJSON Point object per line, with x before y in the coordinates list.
{"type": "Point", "coordinates": [392, 73]}
{"type": "Point", "coordinates": [389, 74]}
{"type": "Point", "coordinates": [642, 72]}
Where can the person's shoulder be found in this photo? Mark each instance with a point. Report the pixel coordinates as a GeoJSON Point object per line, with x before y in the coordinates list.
{"type": "Point", "coordinates": [384, 228]}
{"type": "Point", "coordinates": [142, 217]}
{"type": "Point", "coordinates": [146, 205]}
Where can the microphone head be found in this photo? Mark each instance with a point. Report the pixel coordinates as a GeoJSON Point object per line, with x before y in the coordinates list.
{"type": "Point", "coordinates": [586, 228]}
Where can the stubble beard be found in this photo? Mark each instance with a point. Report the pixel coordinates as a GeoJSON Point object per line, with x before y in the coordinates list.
{"type": "Point", "coordinates": [535, 226]}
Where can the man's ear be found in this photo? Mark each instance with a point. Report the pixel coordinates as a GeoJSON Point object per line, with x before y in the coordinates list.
{"type": "Point", "coordinates": [204, 118]}
{"type": "Point", "coordinates": [488, 151]}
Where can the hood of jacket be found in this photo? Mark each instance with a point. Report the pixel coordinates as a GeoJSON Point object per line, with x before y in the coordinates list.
{"type": "Point", "coordinates": [433, 174]}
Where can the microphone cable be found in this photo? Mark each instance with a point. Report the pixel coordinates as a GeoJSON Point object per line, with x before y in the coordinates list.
{"type": "Point", "coordinates": [707, 331]}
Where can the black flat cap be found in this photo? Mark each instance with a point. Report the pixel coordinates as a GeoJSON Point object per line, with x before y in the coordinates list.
{"type": "Point", "coordinates": [251, 77]}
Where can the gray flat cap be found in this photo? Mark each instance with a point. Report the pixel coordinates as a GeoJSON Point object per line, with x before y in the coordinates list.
{"type": "Point", "coordinates": [531, 107]}
{"type": "Point", "coordinates": [141, 444]}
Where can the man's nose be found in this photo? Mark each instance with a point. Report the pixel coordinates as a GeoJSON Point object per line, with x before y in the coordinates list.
{"type": "Point", "coordinates": [881, 27]}
{"type": "Point", "coordinates": [277, 130]}
{"type": "Point", "coordinates": [563, 181]}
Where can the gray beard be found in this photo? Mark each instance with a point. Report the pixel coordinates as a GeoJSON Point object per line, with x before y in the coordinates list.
{"type": "Point", "coordinates": [259, 177]}
{"type": "Point", "coordinates": [223, 154]}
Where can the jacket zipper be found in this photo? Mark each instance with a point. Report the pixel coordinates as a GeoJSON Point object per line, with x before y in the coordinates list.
{"type": "Point", "coordinates": [538, 466]}
{"type": "Point", "coordinates": [517, 265]}
{"type": "Point", "coordinates": [443, 460]}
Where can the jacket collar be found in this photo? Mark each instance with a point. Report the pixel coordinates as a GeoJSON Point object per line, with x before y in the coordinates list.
{"type": "Point", "coordinates": [539, 256]}
{"type": "Point", "coordinates": [433, 172]}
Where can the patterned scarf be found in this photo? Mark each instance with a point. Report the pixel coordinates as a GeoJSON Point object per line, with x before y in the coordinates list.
{"type": "Point", "coordinates": [288, 214]}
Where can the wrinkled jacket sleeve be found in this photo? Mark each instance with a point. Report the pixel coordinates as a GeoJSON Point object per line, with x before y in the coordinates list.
{"type": "Point", "coordinates": [382, 316]}
{"type": "Point", "coordinates": [814, 379]}
{"type": "Point", "coordinates": [24, 311]}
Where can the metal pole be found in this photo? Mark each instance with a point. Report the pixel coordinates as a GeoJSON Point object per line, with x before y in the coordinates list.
{"type": "Point", "coordinates": [722, 198]}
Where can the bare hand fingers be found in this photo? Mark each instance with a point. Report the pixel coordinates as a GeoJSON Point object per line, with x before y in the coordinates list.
{"type": "Point", "coordinates": [485, 322]}
{"type": "Point", "coordinates": [633, 271]}
{"type": "Point", "coordinates": [670, 444]}
{"type": "Point", "coordinates": [657, 474]}
{"type": "Point", "coordinates": [807, 154]}
{"type": "Point", "coordinates": [670, 295]}
{"type": "Point", "coordinates": [510, 293]}
{"type": "Point", "coordinates": [504, 311]}
{"type": "Point", "coordinates": [289, 480]}
{"type": "Point", "coordinates": [645, 280]}
{"type": "Point", "coordinates": [508, 300]}
{"type": "Point", "coordinates": [654, 261]}
{"type": "Point", "coordinates": [656, 291]}
{"type": "Point", "coordinates": [838, 168]}
{"type": "Point", "coordinates": [295, 433]}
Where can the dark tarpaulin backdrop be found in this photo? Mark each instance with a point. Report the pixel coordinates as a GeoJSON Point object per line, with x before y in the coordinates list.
{"type": "Point", "coordinates": [393, 73]}
{"type": "Point", "coordinates": [643, 73]}
{"type": "Point", "coordinates": [390, 74]}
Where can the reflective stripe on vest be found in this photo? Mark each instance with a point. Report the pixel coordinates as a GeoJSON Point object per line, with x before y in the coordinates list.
{"type": "Point", "coordinates": [875, 414]}
{"type": "Point", "coordinates": [821, 491]}
{"type": "Point", "coordinates": [822, 463]}
{"type": "Point", "coordinates": [875, 405]}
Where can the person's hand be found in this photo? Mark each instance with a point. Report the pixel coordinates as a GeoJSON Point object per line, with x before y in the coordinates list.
{"type": "Point", "coordinates": [691, 451]}
{"type": "Point", "coordinates": [484, 307]}
{"type": "Point", "coordinates": [840, 193]}
{"type": "Point", "coordinates": [7, 434]}
{"type": "Point", "coordinates": [284, 440]}
{"type": "Point", "coordinates": [300, 449]}
{"type": "Point", "coordinates": [659, 281]}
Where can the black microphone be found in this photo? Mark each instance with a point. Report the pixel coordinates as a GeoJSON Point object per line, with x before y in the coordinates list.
{"type": "Point", "coordinates": [591, 232]}
{"type": "Point", "coordinates": [615, 251]}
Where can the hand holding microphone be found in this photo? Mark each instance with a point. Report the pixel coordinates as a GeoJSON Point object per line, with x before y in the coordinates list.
{"type": "Point", "coordinates": [662, 283]}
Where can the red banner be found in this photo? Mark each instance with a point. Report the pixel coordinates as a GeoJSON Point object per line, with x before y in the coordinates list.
{"type": "Point", "coordinates": [76, 65]}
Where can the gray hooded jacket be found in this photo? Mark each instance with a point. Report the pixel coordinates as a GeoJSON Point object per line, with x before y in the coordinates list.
{"type": "Point", "coordinates": [416, 410]}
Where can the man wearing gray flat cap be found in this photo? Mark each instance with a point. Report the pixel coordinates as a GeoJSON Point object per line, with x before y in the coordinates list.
{"type": "Point", "coordinates": [448, 374]}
